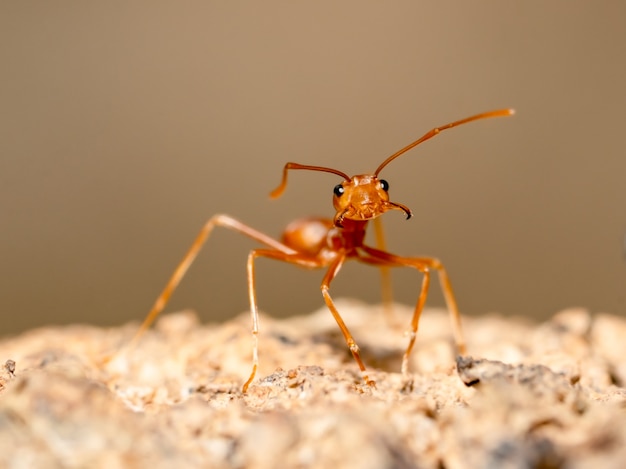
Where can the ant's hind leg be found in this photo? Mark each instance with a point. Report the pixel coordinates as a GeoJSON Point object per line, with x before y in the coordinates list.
{"type": "Point", "coordinates": [225, 221]}
{"type": "Point", "coordinates": [385, 273]}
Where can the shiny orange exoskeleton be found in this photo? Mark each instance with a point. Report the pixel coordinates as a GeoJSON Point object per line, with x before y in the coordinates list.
{"type": "Point", "coordinates": [317, 243]}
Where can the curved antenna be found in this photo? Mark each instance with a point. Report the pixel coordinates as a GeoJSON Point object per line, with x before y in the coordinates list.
{"type": "Point", "coordinates": [283, 184]}
{"type": "Point", "coordinates": [436, 130]}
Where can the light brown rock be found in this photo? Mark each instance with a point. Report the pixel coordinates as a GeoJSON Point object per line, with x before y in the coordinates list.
{"type": "Point", "coordinates": [528, 395]}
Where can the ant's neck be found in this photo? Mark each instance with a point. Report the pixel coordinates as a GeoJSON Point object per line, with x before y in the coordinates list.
{"type": "Point", "coordinates": [354, 225]}
{"type": "Point", "coordinates": [352, 234]}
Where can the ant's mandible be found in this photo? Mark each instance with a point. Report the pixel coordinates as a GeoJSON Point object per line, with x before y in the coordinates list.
{"type": "Point", "coordinates": [319, 242]}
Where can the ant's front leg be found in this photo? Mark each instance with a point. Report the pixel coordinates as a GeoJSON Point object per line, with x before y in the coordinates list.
{"type": "Point", "coordinates": [354, 348]}
{"type": "Point", "coordinates": [425, 265]}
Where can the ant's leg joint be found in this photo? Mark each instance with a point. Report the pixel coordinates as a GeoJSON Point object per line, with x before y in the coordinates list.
{"type": "Point", "coordinates": [354, 348]}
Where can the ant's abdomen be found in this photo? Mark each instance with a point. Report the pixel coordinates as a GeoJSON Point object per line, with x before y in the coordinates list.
{"type": "Point", "coordinates": [308, 236]}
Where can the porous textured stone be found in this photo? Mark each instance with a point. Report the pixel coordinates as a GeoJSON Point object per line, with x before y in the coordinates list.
{"type": "Point", "coordinates": [544, 395]}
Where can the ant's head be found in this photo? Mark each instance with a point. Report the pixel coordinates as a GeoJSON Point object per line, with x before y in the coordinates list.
{"type": "Point", "coordinates": [359, 198]}
{"type": "Point", "coordinates": [363, 197]}
{"type": "Point", "coordinates": [366, 197]}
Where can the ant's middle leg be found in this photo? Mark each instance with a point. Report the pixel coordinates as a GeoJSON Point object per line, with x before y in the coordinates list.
{"type": "Point", "coordinates": [295, 258]}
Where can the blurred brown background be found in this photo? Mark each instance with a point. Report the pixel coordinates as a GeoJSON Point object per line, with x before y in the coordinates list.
{"type": "Point", "coordinates": [123, 127]}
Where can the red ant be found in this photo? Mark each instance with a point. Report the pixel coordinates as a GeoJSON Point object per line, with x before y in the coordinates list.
{"type": "Point", "coordinates": [321, 242]}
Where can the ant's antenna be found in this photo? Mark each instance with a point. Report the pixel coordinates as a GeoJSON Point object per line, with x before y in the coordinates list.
{"type": "Point", "coordinates": [283, 184]}
{"type": "Point", "coordinates": [436, 130]}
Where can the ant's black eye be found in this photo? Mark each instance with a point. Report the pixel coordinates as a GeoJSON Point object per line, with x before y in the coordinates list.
{"type": "Point", "coordinates": [338, 190]}
{"type": "Point", "coordinates": [384, 185]}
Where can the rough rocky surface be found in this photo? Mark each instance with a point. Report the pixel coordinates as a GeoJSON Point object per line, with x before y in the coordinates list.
{"type": "Point", "coordinates": [547, 395]}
